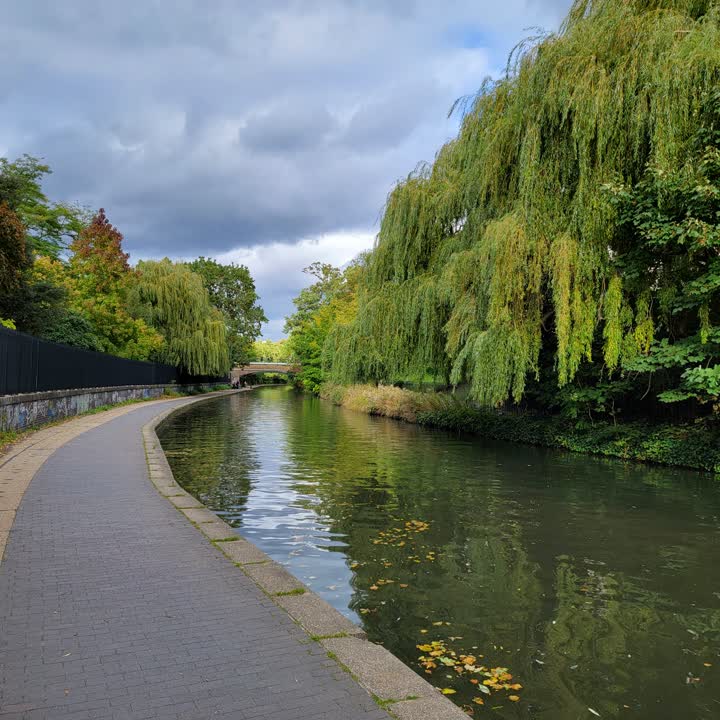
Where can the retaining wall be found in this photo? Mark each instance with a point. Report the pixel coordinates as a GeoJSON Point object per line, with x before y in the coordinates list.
{"type": "Point", "coordinates": [18, 412]}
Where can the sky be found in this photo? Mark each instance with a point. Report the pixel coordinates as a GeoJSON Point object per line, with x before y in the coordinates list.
{"type": "Point", "coordinates": [266, 133]}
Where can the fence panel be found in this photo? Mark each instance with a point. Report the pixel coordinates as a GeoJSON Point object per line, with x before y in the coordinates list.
{"type": "Point", "coordinates": [29, 364]}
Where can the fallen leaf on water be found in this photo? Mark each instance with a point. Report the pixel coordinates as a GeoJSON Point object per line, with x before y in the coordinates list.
{"type": "Point", "coordinates": [594, 712]}
{"type": "Point", "coordinates": [513, 698]}
{"type": "Point", "coordinates": [448, 691]}
{"type": "Point", "coordinates": [478, 701]}
{"type": "Point", "coordinates": [403, 585]}
{"type": "Point", "coordinates": [423, 631]}
{"type": "Point", "coordinates": [374, 587]}
{"type": "Point", "coordinates": [707, 664]}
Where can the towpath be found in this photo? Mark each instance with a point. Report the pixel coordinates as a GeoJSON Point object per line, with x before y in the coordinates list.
{"type": "Point", "coordinates": [112, 605]}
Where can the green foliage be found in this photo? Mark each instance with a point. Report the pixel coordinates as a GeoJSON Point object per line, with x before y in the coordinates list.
{"type": "Point", "coordinates": [566, 217]}
{"type": "Point", "coordinates": [173, 300]}
{"type": "Point", "coordinates": [98, 279]}
{"type": "Point", "coordinates": [232, 291]}
{"type": "Point", "coordinates": [667, 244]}
{"type": "Point", "coordinates": [50, 226]}
{"type": "Point", "coordinates": [72, 328]}
{"type": "Point", "coordinates": [275, 351]}
{"type": "Point", "coordinates": [65, 277]}
{"type": "Point", "coordinates": [692, 445]}
{"type": "Point", "coordinates": [322, 310]}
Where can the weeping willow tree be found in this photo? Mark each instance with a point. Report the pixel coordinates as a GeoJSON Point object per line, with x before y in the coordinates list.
{"type": "Point", "coordinates": [173, 299]}
{"type": "Point", "coordinates": [508, 243]}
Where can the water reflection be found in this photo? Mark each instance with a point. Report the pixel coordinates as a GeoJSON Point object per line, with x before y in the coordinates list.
{"type": "Point", "coordinates": [594, 582]}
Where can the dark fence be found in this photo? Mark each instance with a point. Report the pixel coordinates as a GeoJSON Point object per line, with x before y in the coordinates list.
{"type": "Point", "coordinates": [29, 364]}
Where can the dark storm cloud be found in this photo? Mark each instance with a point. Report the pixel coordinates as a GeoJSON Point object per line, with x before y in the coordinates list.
{"type": "Point", "coordinates": [203, 127]}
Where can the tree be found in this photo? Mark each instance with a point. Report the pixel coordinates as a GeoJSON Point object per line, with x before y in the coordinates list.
{"type": "Point", "coordinates": [14, 256]}
{"type": "Point", "coordinates": [327, 304]}
{"type": "Point", "coordinates": [667, 256]}
{"type": "Point", "coordinates": [231, 290]}
{"type": "Point", "coordinates": [33, 230]}
{"type": "Point", "coordinates": [71, 328]}
{"type": "Point", "coordinates": [506, 248]}
{"type": "Point", "coordinates": [275, 351]}
{"type": "Point", "coordinates": [50, 227]}
{"type": "Point", "coordinates": [98, 280]}
{"type": "Point", "coordinates": [173, 300]}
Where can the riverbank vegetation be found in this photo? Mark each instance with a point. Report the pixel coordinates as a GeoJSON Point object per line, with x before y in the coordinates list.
{"type": "Point", "coordinates": [561, 256]}
{"type": "Point", "coordinates": [65, 277]}
{"type": "Point", "coordinates": [692, 444]}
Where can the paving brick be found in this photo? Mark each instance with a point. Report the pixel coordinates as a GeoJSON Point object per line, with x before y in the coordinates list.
{"type": "Point", "coordinates": [109, 593]}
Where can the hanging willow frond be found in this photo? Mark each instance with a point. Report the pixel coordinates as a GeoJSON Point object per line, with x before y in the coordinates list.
{"type": "Point", "coordinates": [176, 303]}
{"type": "Point", "coordinates": [511, 225]}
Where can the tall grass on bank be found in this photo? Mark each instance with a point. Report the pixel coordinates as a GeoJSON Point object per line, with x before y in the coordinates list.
{"type": "Point", "coordinates": [693, 445]}
{"type": "Point", "coordinates": [387, 400]}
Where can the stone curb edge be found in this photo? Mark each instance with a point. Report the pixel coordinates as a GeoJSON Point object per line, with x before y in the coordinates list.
{"type": "Point", "coordinates": [392, 684]}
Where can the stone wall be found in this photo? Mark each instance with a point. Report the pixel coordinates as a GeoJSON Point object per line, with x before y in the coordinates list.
{"type": "Point", "coordinates": [18, 412]}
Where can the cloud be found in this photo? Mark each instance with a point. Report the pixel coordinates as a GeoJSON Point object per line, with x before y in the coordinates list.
{"type": "Point", "coordinates": [278, 268]}
{"type": "Point", "coordinates": [212, 127]}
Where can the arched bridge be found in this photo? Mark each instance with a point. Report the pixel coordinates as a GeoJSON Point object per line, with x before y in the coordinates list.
{"type": "Point", "coordinates": [259, 367]}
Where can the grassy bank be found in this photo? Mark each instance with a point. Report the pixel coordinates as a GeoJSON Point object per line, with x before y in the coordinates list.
{"type": "Point", "coordinates": [693, 445]}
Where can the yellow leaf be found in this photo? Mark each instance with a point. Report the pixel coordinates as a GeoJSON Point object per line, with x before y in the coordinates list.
{"type": "Point", "coordinates": [403, 585]}
{"type": "Point", "coordinates": [448, 691]}
{"type": "Point", "coordinates": [478, 701]}
{"type": "Point", "coordinates": [514, 698]}
{"type": "Point", "coordinates": [707, 664]}
{"type": "Point", "coordinates": [423, 631]}
{"type": "Point", "coordinates": [374, 587]}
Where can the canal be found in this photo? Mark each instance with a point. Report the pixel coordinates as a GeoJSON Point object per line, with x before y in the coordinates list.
{"type": "Point", "coordinates": [537, 584]}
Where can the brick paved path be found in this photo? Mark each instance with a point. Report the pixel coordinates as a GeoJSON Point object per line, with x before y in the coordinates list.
{"type": "Point", "coordinates": [113, 606]}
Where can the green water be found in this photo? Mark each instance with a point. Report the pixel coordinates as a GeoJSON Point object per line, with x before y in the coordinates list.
{"type": "Point", "coordinates": [595, 583]}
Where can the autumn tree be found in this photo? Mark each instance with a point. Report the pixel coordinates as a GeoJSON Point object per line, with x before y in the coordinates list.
{"type": "Point", "coordinates": [98, 281]}
{"type": "Point", "coordinates": [14, 257]}
{"type": "Point", "coordinates": [34, 230]}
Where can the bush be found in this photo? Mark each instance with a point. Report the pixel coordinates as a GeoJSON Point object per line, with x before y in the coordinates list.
{"type": "Point", "coordinates": [694, 445]}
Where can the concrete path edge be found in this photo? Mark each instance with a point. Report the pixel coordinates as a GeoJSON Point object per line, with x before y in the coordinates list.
{"type": "Point", "coordinates": [393, 685]}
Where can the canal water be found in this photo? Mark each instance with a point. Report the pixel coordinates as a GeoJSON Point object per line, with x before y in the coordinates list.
{"type": "Point", "coordinates": [566, 586]}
